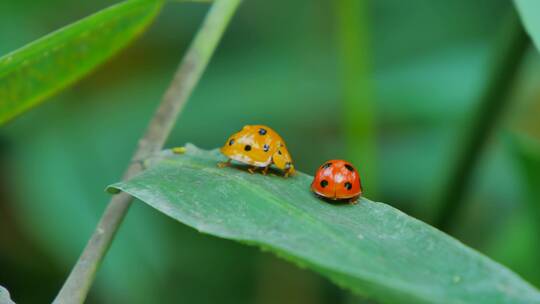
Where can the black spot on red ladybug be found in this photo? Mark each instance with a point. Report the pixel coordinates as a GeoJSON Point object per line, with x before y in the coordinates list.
{"type": "Point", "coordinates": [247, 148]}
{"type": "Point", "coordinates": [327, 165]}
{"type": "Point", "coordinates": [262, 131]}
{"type": "Point", "coordinates": [266, 148]}
{"type": "Point", "coordinates": [231, 142]}
{"type": "Point", "coordinates": [324, 183]}
{"type": "Point", "coordinates": [349, 167]}
{"type": "Point", "coordinates": [348, 186]}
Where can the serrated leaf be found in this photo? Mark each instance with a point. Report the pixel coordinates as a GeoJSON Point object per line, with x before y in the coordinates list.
{"type": "Point", "coordinates": [370, 248]}
{"type": "Point", "coordinates": [47, 65]}
{"type": "Point", "coordinates": [4, 296]}
{"type": "Point", "coordinates": [529, 11]}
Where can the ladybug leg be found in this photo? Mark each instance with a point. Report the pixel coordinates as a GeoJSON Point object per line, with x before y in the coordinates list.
{"type": "Point", "coordinates": [353, 200]}
{"type": "Point", "coordinates": [287, 173]}
{"type": "Point", "coordinates": [224, 164]}
{"type": "Point", "coordinates": [252, 169]}
{"type": "Point", "coordinates": [265, 170]}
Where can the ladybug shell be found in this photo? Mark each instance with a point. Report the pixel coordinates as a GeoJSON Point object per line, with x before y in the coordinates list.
{"type": "Point", "coordinates": [337, 180]}
{"type": "Point", "coordinates": [258, 145]}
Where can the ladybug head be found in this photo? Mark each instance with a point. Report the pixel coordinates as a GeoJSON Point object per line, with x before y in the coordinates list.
{"type": "Point", "coordinates": [282, 159]}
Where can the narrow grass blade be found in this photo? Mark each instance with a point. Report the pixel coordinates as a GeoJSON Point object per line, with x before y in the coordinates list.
{"type": "Point", "coordinates": [42, 68]}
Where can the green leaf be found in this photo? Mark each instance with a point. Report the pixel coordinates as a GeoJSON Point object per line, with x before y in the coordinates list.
{"type": "Point", "coordinates": [4, 296]}
{"type": "Point", "coordinates": [47, 65]}
{"type": "Point", "coordinates": [371, 248]}
{"type": "Point", "coordinates": [529, 10]}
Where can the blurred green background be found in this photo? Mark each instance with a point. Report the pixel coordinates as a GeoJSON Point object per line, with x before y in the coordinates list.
{"type": "Point", "coordinates": [423, 65]}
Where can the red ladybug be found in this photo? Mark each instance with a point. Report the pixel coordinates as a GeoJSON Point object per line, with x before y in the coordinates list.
{"type": "Point", "coordinates": [337, 180]}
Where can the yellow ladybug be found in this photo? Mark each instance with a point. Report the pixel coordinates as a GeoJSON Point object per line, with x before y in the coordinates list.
{"type": "Point", "coordinates": [259, 146]}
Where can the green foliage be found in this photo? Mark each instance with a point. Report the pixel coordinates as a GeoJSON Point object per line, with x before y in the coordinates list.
{"type": "Point", "coordinates": [529, 12]}
{"type": "Point", "coordinates": [518, 243]}
{"type": "Point", "coordinates": [420, 92]}
{"type": "Point", "coordinates": [356, 82]}
{"type": "Point", "coordinates": [528, 154]}
{"type": "Point", "coordinates": [370, 248]}
{"type": "Point", "coordinates": [4, 296]}
{"type": "Point", "coordinates": [42, 68]}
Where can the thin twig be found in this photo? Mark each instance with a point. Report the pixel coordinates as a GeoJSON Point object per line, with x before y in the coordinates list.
{"type": "Point", "coordinates": [194, 62]}
{"type": "Point", "coordinates": [493, 102]}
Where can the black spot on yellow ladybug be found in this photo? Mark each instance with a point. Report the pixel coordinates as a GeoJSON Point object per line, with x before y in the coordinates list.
{"type": "Point", "coordinates": [231, 142]}
{"type": "Point", "coordinates": [266, 147]}
{"type": "Point", "coordinates": [247, 148]}
{"type": "Point", "coordinates": [262, 131]}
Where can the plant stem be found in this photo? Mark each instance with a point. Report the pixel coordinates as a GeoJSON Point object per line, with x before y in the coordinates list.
{"type": "Point", "coordinates": [493, 102]}
{"type": "Point", "coordinates": [358, 108]}
{"type": "Point", "coordinates": [186, 77]}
